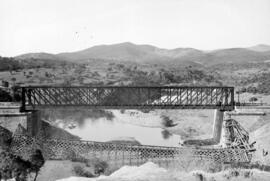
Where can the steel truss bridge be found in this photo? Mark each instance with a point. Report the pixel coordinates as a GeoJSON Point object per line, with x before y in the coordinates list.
{"type": "Point", "coordinates": [127, 97]}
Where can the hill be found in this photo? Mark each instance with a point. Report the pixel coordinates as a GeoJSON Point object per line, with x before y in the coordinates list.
{"type": "Point", "coordinates": [40, 55]}
{"type": "Point", "coordinates": [128, 63]}
{"type": "Point", "coordinates": [260, 48]}
{"type": "Point", "coordinates": [130, 52]}
{"type": "Point", "coordinates": [122, 52]}
{"type": "Point", "coordinates": [237, 55]}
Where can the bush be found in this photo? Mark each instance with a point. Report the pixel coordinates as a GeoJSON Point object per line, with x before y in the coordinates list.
{"type": "Point", "coordinates": [99, 165]}
{"type": "Point", "coordinates": [5, 138]}
{"type": "Point", "coordinates": [166, 134]}
{"type": "Point", "coordinates": [80, 171]}
{"type": "Point", "coordinates": [248, 174]}
{"type": "Point", "coordinates": [232, 173]}
{"type": "Point", "coordinates": [166, 121]}
{"type": "Point", "coordinates": [253, 99]}
{"type": "Point", "coordinates": [12, 166]}
{"type": "Point", "coordinates": [5, 96]}
{"type": "Point", "coordinates": [199, 176]}
{"type": "Point", "coordinates": [242, 90]}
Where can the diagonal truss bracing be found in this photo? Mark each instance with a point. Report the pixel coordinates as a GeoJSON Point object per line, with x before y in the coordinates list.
{"type": "Point", "coordinates": [121, 97]}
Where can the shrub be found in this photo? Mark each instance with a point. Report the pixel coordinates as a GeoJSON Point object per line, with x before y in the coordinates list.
{"type": "Point", "coordinates": [199, 176]}
{"type": "Point", "coordinates": [5, 96]}
{"type": "Point", "coordinates": [234, 173]}
{"type": "Point", "coordinates": [242, 90]}
{"type": "Point", "coordinates": [47, 74]}
{"type": "Point", "coordinates": [12, 166]}
{"type": "Point", "coordinates": [248, 174]}
{"type": "Point", "coordinates": [98, 165]}
{"type": "Point", "coordinates": [166, 121]}
{"type": "Point", "coordinates": [13, 79]}
{"type": "Point", "coordinates": [80, 171]}
{"type": "Point", "coordinates": [109, 68]}
{"type": "Point", "coordinates": [253, 99]}
{"type": "Point", "coordinates": [166, 134]}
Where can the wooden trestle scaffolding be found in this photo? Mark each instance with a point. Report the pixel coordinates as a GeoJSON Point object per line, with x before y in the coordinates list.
{"type": "Point", "coordinates": [123, 154]}
{"type": "Point", "coordinates": [236, 136]}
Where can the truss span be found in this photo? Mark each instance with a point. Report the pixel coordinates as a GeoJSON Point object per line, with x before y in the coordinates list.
{"type": "Point", "coordinates": [104, 97]}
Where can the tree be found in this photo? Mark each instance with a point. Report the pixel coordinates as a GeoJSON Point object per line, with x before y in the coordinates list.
{"type": "Point", "coordinates": [37, 161]}
{"type": "Point", "coordinates": [13, 166]}
{"type": "Point", "coordinates": [253, 99]}
{"type": "Point", "coordinates": [47, 74]}
{"type": "Point", "coordinates": [166, 134]}
{"type": "Point", "coordinates": [13, 79]}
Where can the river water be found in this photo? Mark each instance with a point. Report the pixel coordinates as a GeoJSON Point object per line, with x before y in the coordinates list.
{"type": "Point", "coordinates": [105, 130]}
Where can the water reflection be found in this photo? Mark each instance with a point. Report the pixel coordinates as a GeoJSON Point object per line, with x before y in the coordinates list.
{"type": "Point", "coordinates": [166, 134]}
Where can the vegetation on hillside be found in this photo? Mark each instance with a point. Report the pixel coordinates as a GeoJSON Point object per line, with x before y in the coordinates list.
{"type": "Point", "coordinates": [12, 64]}
{"type": "Point", "coordinates": [252, 77]}
{"type": "Point", "coordinates": [9, 64]}
{"type": "Point", "coordinates": [257, 84]}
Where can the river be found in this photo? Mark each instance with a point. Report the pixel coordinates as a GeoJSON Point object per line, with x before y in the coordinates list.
{"type": "Point", "coordinates": [105, 130]}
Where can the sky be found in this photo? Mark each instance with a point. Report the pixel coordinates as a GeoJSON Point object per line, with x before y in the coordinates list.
{"type": "Point", "coordinates": [56, 26]}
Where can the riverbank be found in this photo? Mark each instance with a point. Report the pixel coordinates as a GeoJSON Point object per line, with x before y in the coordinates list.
{"type": "Point", "coordinates": [151, 172]}
{"type": "Point", "coordinates": [189, 124]}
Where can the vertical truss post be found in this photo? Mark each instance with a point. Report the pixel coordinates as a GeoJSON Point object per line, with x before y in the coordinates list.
{"type": "Point", "coordinates": [232, 97]}
{"type": "Point", "coordinates": [23, 100]}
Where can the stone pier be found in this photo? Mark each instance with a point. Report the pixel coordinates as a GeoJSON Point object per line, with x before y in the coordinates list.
{"type": "Point", "coordinates": [33, 123]}
{"type": "Point", "coordinates": [217, 127]}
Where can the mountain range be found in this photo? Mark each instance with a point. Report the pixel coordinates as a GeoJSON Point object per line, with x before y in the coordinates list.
{"type": "Point", "coordinates": [150, 54]}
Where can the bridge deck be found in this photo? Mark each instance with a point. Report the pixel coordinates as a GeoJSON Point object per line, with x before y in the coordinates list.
{"type": "Point", "coordinates": [121, 97]}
